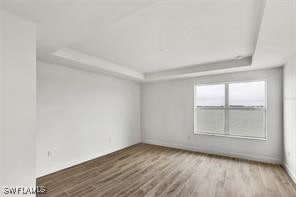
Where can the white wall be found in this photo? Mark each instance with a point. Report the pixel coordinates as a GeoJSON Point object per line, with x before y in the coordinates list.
{"type": "Point", "coordinates": [83, 115]}
{"type": "Point", "coordinates": [1, 98]}
{"type": "Point", "coordinates": [17, 96]}
{"type": "Point", "coordinates": [167, 117]}
{"type": "Point", "coordinates": [290, 117]}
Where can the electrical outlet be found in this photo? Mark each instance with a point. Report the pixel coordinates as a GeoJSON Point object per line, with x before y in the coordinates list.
{"type": "Point", "coordinates": [109, 139]}
{"type": "Point", "coordinates": [49, 153]}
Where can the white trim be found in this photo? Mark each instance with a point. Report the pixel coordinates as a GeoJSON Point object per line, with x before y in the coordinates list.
{"type": "Point", "coordinates": [220, 65]}
{"type": "Point", "coordinates": [226, 109]}
{"type": "Point", "coordinates": [179, 146]}
{"type": "Point", "coordinates": [212, 72]}
{"type": "Point", "coordinates": [228, 136]}
{"type": "Point", "coordinates": [84, 59]}
{"type": "Point", "coordinates": [87, 158]}
{"type": "Point", "coordinates": [289, 172]}
{"type": "Point", "coordinates": [261, 158]}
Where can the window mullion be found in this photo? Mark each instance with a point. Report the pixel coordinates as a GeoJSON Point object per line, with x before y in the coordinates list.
{"type": "Point", "coordinates": [226, 120]}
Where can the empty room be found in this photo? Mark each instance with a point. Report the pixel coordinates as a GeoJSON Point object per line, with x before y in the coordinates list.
{"type": "Point", "coordinates": [187, 98]}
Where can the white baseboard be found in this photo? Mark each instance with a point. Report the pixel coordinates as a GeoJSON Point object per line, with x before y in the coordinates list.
{"type": "Point", "coordinates": [179, 146]}
{"type": "Point", "coordinates": [63, 166]}
{"type": "Point", "coordinates": [290, 172]}
{"type": "Point", "coordinates": [215, 152]}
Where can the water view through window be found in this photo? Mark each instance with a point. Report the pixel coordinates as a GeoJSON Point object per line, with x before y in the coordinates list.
{"type": "Point", "coordinates": [231, 109]}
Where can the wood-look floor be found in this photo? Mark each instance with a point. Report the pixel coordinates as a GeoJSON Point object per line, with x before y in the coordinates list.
{"type": "Point", "coordinates": [146, 170]}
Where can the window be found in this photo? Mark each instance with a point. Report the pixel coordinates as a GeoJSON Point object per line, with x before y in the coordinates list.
{"type": "Point", "coordinates": [231, 109]}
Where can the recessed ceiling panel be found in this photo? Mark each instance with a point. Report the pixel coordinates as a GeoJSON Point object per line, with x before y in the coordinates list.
{"type": "Point", "coordinates": [176, 33]}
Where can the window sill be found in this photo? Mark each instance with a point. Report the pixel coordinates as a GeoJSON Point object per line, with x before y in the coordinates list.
{"type": "Point", "coordinates": [230, 136]}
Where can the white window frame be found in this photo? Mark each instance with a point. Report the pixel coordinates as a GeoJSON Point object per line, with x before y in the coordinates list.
{"type": "Point", "coordinates": [226, 109]}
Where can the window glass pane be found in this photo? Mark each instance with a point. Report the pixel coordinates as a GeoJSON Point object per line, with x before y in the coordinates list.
{"type": "Point", "coordinates": [210, 95]}
{"type": "Point", "coordinates": [250, 123]}
{"type": "Point", "coordinates": [209, 120]}
{"type": "Point", "coordinates": [246, 121]}
{"type": "Point", "coordinates": [248, 94]}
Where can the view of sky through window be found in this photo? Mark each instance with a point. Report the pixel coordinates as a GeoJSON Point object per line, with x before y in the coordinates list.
{"type": "Point", "coordinates": [210, 95]}
{"type": "Point", "coordinates": [251, 94]}
{"type": "Point", "coordinates": [248, 94]}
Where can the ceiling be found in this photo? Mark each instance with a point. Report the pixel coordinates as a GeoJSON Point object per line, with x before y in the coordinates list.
{"type": "Point", "coordinates": [138, 39]}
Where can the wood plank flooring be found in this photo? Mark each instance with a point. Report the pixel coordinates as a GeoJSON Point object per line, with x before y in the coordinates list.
{"type": "Point", "coordinates": [147, 170]}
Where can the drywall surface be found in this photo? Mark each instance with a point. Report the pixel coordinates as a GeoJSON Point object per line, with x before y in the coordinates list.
{"type": "Point", "coordinates": [82, 115]}
{"type": "Point", "coordinates": [18, 101]}
{"type": "Point", "coordinates": [290, 117]}
{"type": "Point", "coordinates": [1, 98]}
{"type": "Point", "coordinates": [167, 117]}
